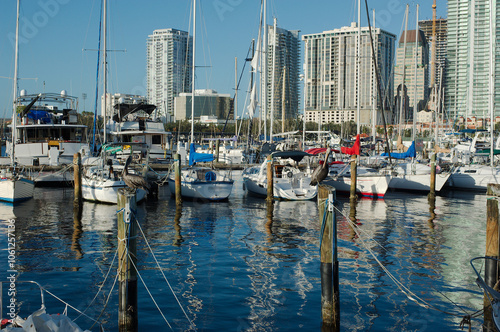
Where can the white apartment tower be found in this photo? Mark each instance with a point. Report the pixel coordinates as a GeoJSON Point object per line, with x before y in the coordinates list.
{"type": "Point", "coordinates": [467, 90]}
{"type": "Point", "coordinates": [284, 59]}
{"type": "Point", "coordinates": [169, 69]}
{"type": "Point", "coordinates": [333, 69]}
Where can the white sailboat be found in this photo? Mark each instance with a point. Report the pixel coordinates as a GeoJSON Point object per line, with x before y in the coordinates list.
{"type": "Point", "coordinates": [200, 182]}
{"type": "Point", "coordinates": [289, 181]}
{"type": "Point", "coordinates": [369, 182]}
{"type": "Point", "coordinates": [100, 183]}
{"type": "Point", "coordinates": [15, 186]}
{"type": "Point", "coordinates": [411, 175]}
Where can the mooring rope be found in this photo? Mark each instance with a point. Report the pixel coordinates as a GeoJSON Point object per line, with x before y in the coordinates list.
{"type": "Point", "coordinates": [69, 305]}
{"type": "Point", "coordinates": [405, 290]}
{"type": "Point", "coordinates": [147, 289]}
{"type": "Point", "coordinates": [107, 299]}
{"type": "Point", "coordinates": [102, 285]}
{"type": "Point", "coordinates": [163, 274]}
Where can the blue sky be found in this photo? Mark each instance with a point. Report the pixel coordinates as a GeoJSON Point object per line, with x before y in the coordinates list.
{"type": "Point", "coordinates": [58, 39]}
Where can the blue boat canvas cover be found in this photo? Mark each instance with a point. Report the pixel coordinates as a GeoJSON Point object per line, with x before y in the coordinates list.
{"type": "Point", "coordinates": [410, 153]}
{"type": "Point", "coordinates": [197, 157]}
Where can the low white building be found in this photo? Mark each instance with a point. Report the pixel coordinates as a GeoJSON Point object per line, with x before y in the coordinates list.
{"type": "Point", "coordinates": [208, 103]}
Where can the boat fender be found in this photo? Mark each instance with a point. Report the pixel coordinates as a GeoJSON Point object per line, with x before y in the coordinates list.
{"type": "Point", "coordinates": [210, 176]}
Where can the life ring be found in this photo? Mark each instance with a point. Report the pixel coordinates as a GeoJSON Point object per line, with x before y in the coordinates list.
{"type": "Point", "coordinates": [136, 157]}
{"type": "Point", "coordinates": [289, 174]}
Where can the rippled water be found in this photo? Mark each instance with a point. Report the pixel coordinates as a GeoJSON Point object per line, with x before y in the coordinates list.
{"type": "Point", "coordinates": [235, 269]}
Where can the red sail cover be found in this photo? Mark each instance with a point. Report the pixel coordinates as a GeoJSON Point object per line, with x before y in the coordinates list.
{"type": "Point", "coordinates": [316, 151]}
{"type": "Point", "coordinates": [354, 149]}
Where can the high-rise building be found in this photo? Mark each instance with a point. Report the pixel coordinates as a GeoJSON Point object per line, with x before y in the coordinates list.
{"type": "Point", "coordinates": [333, 69]}
{"type": "Point", "coordinates": [169, 68]}
{"type": "Point", "coordinates": [286, 65]}
{"type": "Point", "coordinates": [441, 41]}
{"type": "Point", "coordinates": [416, 87]}
{"type": "Point", "coordinates": [467, 88]}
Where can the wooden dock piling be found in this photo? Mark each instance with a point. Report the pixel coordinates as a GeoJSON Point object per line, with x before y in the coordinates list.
{"type": "Point", "coordinates": [270, 180]}
{"type": "Point", "coordinates": [432, 191]}
{"type": "Point", "coordinates": [354, 176]}
{"type": "Point", "coordinates": [329, 266]}
{"type": "Point", "coordinates": [177, 167]}
{"type": "Point", "coordinates": [491, 273]}
{"type": "Point", "coordinates": [217, 144]}
{"type": "Point", "coordinates": [77, 171]}
{"type": "Point", "coordinates": [127, 260]}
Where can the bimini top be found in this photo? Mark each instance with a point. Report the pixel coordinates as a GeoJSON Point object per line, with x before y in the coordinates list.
{"type": "Point", "coordinates": [126, 109]}
{"type": "Point", "coordinates": [295, 155]}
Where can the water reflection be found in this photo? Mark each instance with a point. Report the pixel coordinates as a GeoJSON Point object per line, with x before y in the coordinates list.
{"type": "Point", "coordinates": [238, 265]}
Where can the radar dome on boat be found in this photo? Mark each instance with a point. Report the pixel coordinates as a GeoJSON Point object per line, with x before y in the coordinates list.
{"type": "Point", "coordinates": [23, 93]}
{"type": "Point", "coordinates": [63, 93]}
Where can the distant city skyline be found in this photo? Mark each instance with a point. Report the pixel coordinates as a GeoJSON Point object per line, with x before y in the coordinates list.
{"type": "Point", "coordinates": [58, 40]}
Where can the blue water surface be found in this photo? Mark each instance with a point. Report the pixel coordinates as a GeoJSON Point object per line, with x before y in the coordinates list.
{"type": "Point", "coordinates": [233, 267]}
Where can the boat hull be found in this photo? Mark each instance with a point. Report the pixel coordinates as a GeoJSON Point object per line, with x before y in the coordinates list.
{"type": "Point", "coordinates": [283, 189]}
{"type": "Point", "coordinates": [417, 182]}
{"type": "Point", "coordinates": [54, 179]}
{"type": "Point", "coordinates": [105, 191]}
{"type": "Point", "coordinates": [16, 190]}
{"type": "Point", "coordinates": [367, 186]}
{"type": "Point", "coordinates": [212, 191]}
{"type": "Point", "coordinates": [473, 177]}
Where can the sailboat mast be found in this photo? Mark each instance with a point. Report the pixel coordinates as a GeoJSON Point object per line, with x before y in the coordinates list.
{"type": "Point", "coordinates": [264, 71]}
{"type": "Point", "coordinates": [374, 95]}
{"type": "Point", "coordinates": [402, 94]}
{"type": "Point", "coordinates": [415, 104]}
{"type": "Point", "coordinates": [492, 80]}
{"type": "Point", "coordinates": [358, 71]}
{"type": "Point", "coordinates": [235, 113]}
{"type": "Point", "coordinates": [273, 80]}
{"type": "Point", "coordinates": [192, 82]}
{"type": "Point", "coordinates": [304, 93]}
{"type": "Point", "coordinates": [16, 69]}
{"type": "Point", "coordinates": [105, 71]}
{"type": "Point", "coordinates": [283, 101]}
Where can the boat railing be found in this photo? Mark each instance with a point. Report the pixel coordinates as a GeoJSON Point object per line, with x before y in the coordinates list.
{"type": "Point", "coordinates": [343, 171]}
{"type": "Point", "coordinates": [17, 282]}
{"type": "Point", "coordinates": [492, 293]}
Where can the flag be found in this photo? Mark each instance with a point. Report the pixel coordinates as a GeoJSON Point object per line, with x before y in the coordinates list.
{"type": "Point", "coordinates": [354, 149]}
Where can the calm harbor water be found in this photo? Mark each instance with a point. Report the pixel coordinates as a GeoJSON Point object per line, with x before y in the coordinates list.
{"type": "Point", "coordinates": [233, 269]}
